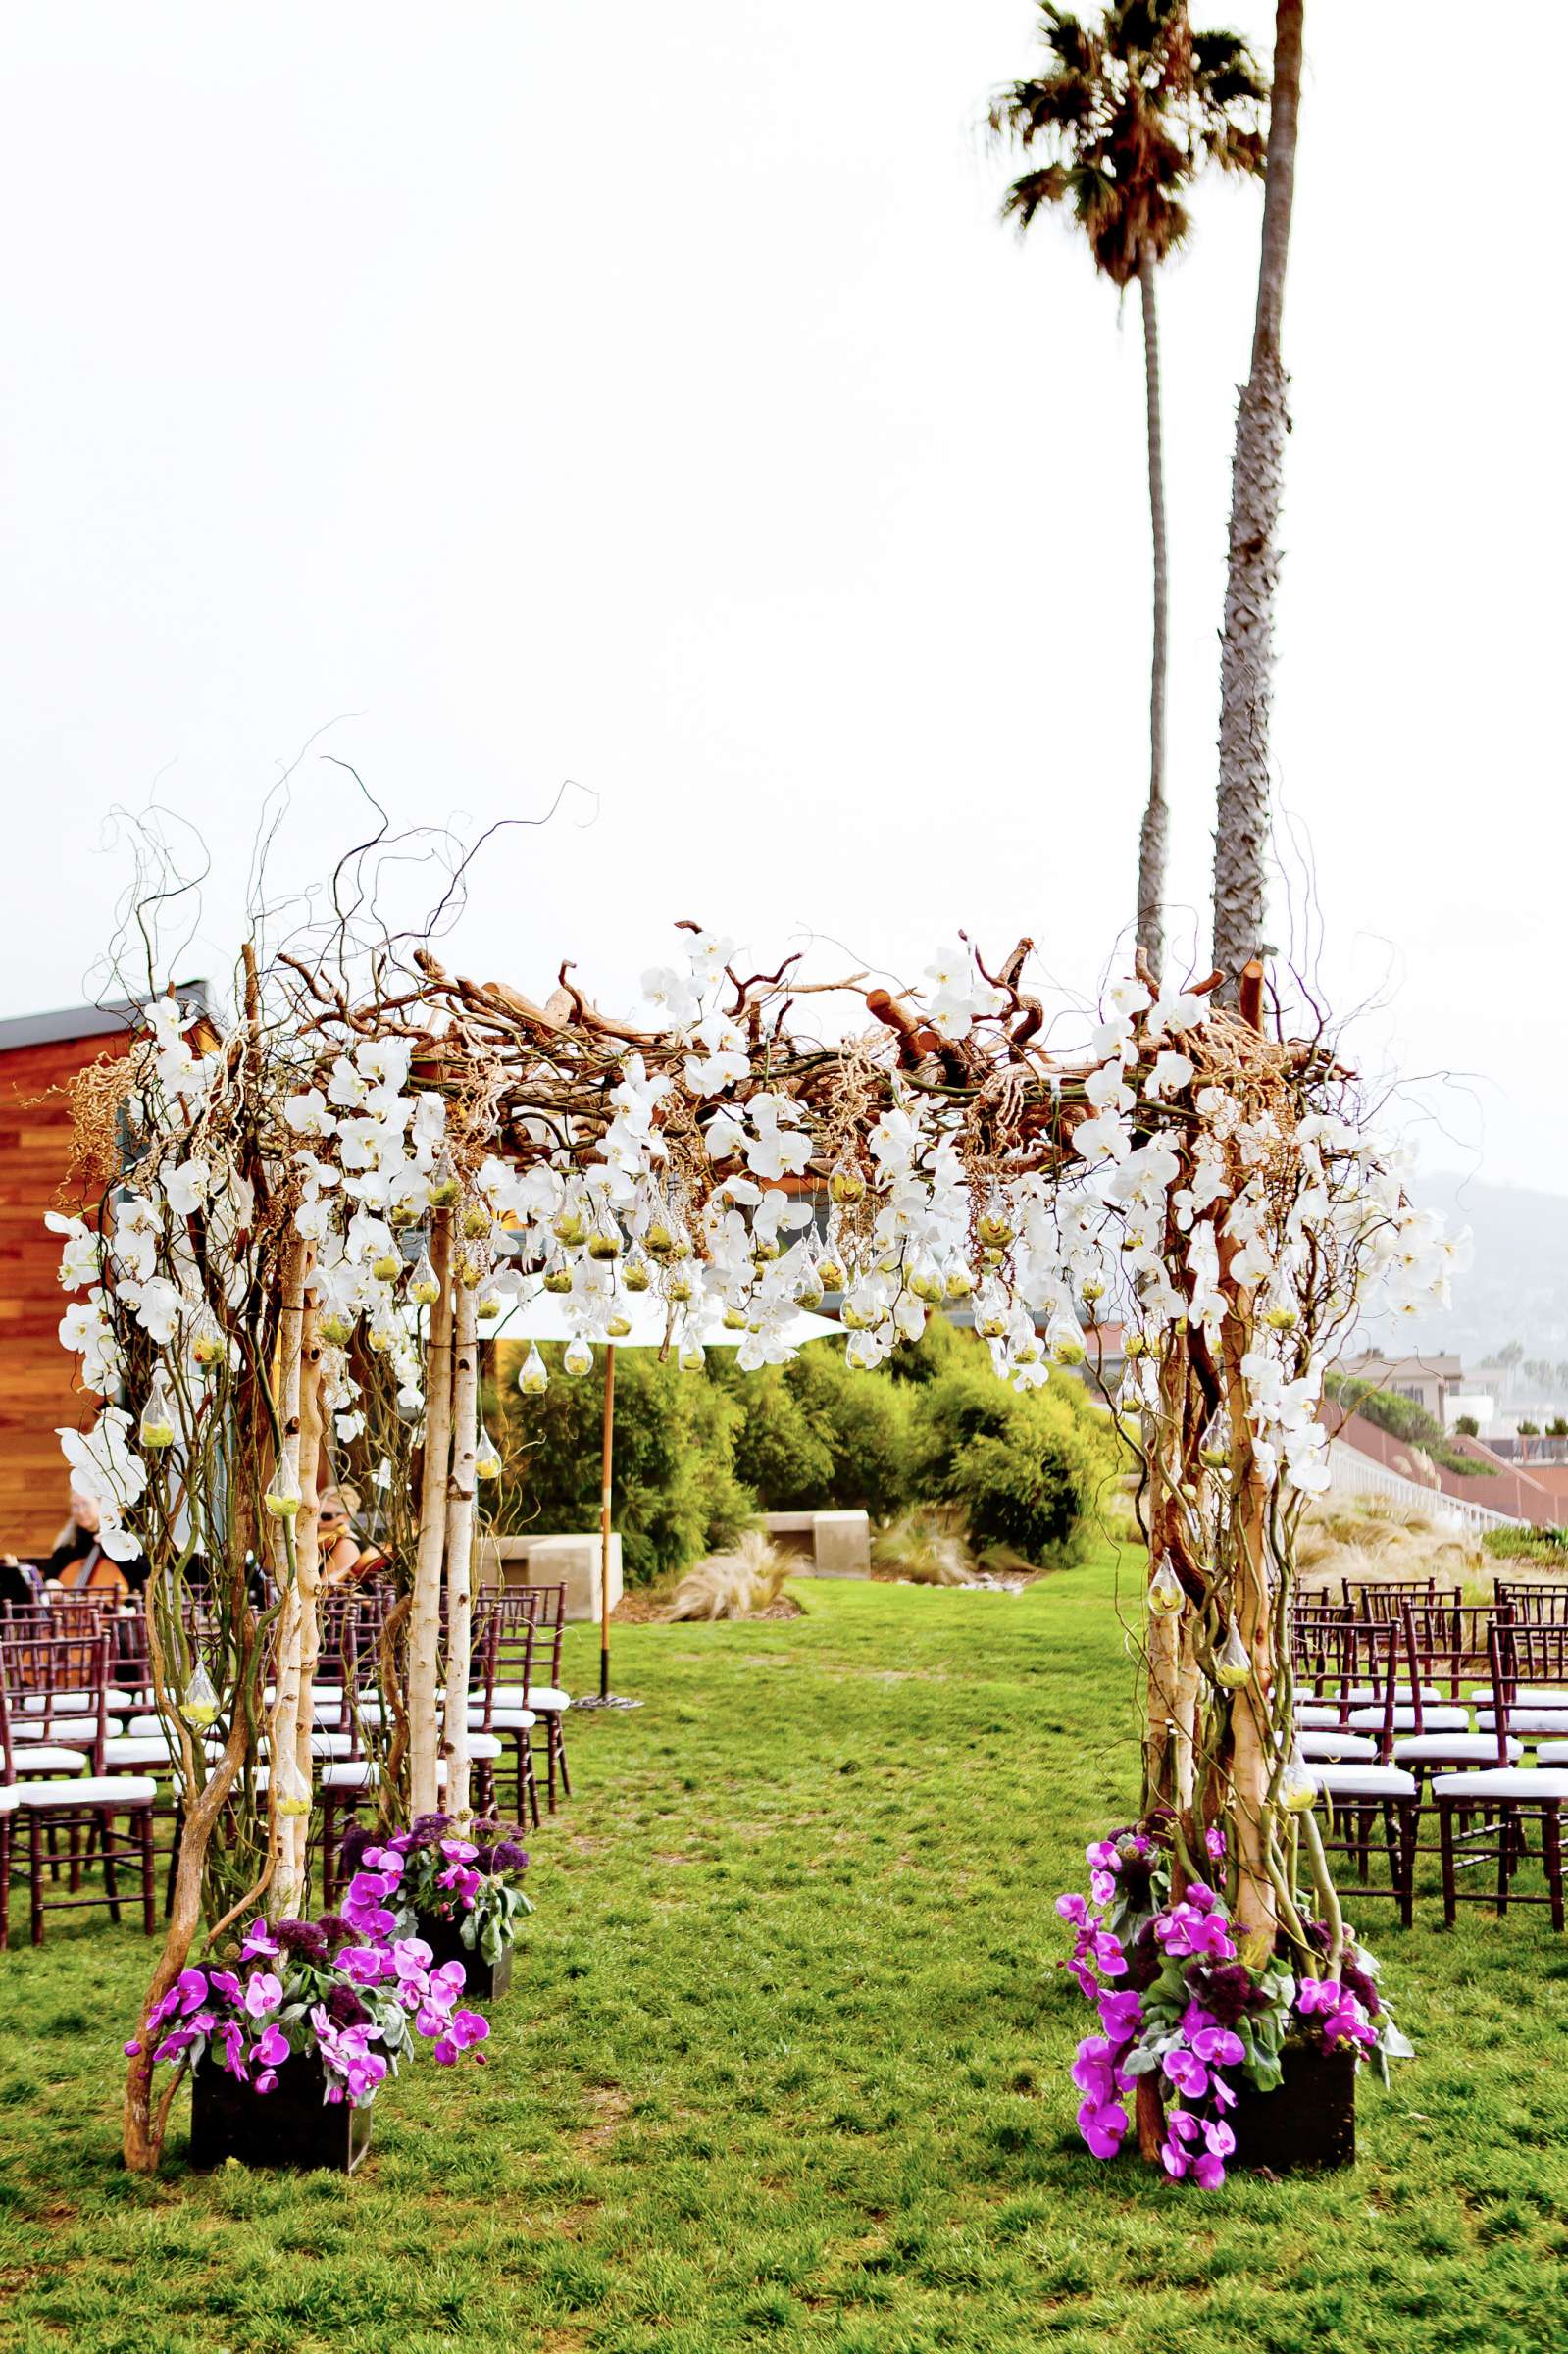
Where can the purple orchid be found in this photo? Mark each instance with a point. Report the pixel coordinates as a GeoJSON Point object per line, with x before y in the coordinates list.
{"type": "Point", "coordinates": [263, 1993]}
{"type": "Point", "coordinates": [1101, 2124]}
{"type": "Point", "coordinates": [467, 2027]}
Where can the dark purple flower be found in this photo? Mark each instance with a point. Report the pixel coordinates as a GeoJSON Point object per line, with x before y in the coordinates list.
{"type": "Point", "coordinates": [336, 1930]}
{"type": "Point", "coordinates": [1226, 1990]}
{"type": "Point", "coordinates": [355, 1840]}
{"type": "Point", "coordinates": [1355, 1981]}
{"type": "Point", "coordinates": [507, 1856]}
{"type": "Point", "coordinates": [427, 1830]}
{"type": "Point", "coordinates": [304, 1938]}
{"type": "Point", "coordinates": [344, 2008]}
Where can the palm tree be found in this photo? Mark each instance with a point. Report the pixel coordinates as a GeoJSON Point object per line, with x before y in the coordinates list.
{"type": "Point", "coordinates": [1125, 116]}
{"type": "Point", "coordinates": [1246, 661]}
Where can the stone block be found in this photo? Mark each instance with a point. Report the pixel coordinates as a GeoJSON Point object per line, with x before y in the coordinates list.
{"type": "Point", "coordinates": [570, 1560]}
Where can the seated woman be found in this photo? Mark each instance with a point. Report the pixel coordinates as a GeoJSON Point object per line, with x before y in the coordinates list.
{"type": "Point", "coordinates": [344, 1560]}
{"type": "Point", "coordinates": [78, 1563]}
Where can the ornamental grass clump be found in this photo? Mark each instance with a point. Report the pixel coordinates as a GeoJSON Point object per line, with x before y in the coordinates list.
{"type": "Point", "coordinates": [740, 1584]}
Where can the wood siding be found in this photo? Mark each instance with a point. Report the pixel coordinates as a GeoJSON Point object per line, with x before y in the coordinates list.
{"type": "Point", "coordinates": [38, 1391]}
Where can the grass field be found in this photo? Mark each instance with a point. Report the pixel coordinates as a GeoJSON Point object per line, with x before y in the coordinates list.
{"type": "Point", "coordinates": [783, 2065]}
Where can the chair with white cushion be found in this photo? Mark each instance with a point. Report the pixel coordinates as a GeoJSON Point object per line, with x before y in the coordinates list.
{"type": "Point", "coordinates": [1361, 1791]}
{"type": "Point", "coordinates": [1510, 1797]}
{"type": "Point", "coordinates": [83, 1810]}
{"type": "Point", "coordinates": [503, 1653]}
{"type": "Point", "coordinates": [545, 1692]}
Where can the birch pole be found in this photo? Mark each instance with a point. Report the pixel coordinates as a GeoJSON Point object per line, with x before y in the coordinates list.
{"type": "Point", "coordinates": [285, 1481]}
{"type": "Point", "coordinates": [460, 1555]}
{"type": "Point", "coordinates": [1162, 1632]}
{"type": "Point", "coordinates": [308, 1577]}
{"type": "Point", "coordinates": [424, 1617]}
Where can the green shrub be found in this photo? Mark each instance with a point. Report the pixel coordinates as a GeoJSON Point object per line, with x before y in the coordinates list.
{"type": "Point", "coordinates": [815, 1436]}
{"type": "Point", "coordinates": [675, 1494]}
{"type": "Point", "coordinates": [1025, 1467]}
{"type": "Point", "coordinates": [699, 1455]}
{"type": "Point", "coordinates": [1547, 1545]}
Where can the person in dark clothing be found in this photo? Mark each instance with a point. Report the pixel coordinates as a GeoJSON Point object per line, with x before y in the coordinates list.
{"type": "Point", "coordinates": [17, 1581]}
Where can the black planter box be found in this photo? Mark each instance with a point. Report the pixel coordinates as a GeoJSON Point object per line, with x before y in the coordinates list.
{"type": "Point", "coordinates": [1307, 2126]}
{"type": "Point", "coordinates": [486, 1982]}
{"type": "Point", "coordinates": [293, 2125]}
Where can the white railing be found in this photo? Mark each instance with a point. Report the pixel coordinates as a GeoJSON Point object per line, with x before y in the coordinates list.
{"type": "Point", "coordinates": [1352, 1474]}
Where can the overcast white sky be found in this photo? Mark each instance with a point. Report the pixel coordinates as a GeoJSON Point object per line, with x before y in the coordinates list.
{"type": "Point", "coordinates": [650, 397]}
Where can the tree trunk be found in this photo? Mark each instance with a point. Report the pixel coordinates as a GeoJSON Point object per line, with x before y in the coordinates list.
{"type": "Point", "coordinates": [1152, 837]}
{"type": "Point", "coordinates": [1242, 827]}
{"type": "Point", "coordinates": [460, 1556]}
{"type": "Point", "coordinates": [424, 1618]}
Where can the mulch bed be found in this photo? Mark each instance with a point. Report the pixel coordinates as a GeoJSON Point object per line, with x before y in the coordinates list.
{"type": "Point", "coordinates": [647, 1610]}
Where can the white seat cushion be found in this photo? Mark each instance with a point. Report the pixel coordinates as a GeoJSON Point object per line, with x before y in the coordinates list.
{"type": "Point", "coordinates": [1527, 1695]}
{"type": "Point", "coordinates": [548, 1699]}
{"type": "Point", "coordinates": [1528, 1722]}
{"type": "Point", "coordinates": [1452, 1748]}
{"type": "Point", "coordinates": [101, 1790]}
{"type": "Point", "coordinates": [506, 1721]}
{"type": "Point", "coordinates": [137, 1748]}
{"type": "Point", "coordinates": [144, 1725]}
{"type": "Point", "coordinates": [1360, 1696]}
{"type": "Point", "coordinates": [1317, 1715]}
{"type": "Point", "coordinates": [349, 1774]}
{"type": "Point", "coordinates": [1503, 1781]}
{"type": "Point", "coordinates": [321, 1745]}
{"type": "Point", "coordinates": [66, 1704]}
{"type": "Point", "coordinates": [9, 1800]}
{"type": "Point", "coordinates": [1364, 1781]}
{"type": "Point", "coordinates": [1332, 1749]}
{"type": "Point", "coordinates": [86, 1728]}
{"type": "Point", "coordinates": [484, 1747]}
{"type": "Point", "coordinates": [1432, 1720]}
{"type": "Point", "coordinates": [42, 1756]}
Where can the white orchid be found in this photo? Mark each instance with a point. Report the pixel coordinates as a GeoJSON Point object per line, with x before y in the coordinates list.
{"type": "Point", "coordinates": [672, 994]}
{"type": "Point", "coordinates": [82, 1259]}
{"type": "Point", "coordinates": [774, 1151]}
{"type": "Point", "coordinates": [725, 1060]}
{"type": "Point", "coordinates": [306, 1114]}
{"type": "Point", "coordinates": [185, 1186]}
{"type": "Point", "coordinates": [710, 952]}
{"type": "Point", "coordinates": [1171, 1072]}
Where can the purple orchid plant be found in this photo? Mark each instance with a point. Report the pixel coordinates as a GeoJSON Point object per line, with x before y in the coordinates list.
{"type": "Point", "coordinates": [1175, 1998]}
{"type": "Point", "coordinates": [357, 1987]}
{"type": "Point", "coordinates": [431, 1873]}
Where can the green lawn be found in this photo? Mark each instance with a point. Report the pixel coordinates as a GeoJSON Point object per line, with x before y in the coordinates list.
{"type": "Point", "coordinates": [784, 2065]}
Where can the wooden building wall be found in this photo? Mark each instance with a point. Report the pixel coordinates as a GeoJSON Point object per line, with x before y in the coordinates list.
{"type": "Point", "coordinates": [37, 1380]}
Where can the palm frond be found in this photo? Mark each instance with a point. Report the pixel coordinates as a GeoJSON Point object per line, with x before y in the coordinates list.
{"type": "Point", "coordinates": [1051, 184]}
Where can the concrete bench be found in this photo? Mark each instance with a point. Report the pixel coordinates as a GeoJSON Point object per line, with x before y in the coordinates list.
{"type": "Point", "coordinates": [572, 1562]}
{"type": "Point", "coordinates": [831, 1544]}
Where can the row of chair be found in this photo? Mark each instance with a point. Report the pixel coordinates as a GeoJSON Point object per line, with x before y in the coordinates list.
{"type": "Point", "coordinates": [1431, 1700]}
{"type": "Point", "coordinates": [86, 1761]}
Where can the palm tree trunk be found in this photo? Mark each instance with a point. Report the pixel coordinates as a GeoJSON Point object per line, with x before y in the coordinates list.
{"type": "Point", "coordinates": [1152, 837]}
{"type": "Point", "coordinates": [1242, 829]}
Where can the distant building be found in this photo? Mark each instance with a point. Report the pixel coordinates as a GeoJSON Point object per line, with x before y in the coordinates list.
{"type": "Point", "coordinates": [1430, 1382]}
{"type": "Point", "coordinates": [39, 1055]}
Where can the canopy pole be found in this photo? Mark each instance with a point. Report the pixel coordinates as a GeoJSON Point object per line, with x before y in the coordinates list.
{"type": "Point", "coordinates": [606, 1458]}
